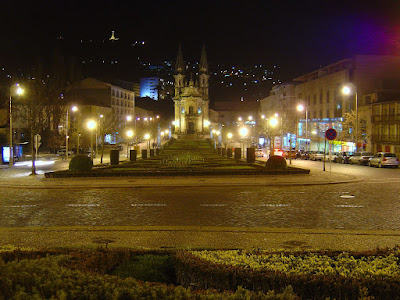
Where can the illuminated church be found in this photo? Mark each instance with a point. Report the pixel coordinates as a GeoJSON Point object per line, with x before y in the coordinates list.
{"type": "Point", "coordinates": [191, 99]}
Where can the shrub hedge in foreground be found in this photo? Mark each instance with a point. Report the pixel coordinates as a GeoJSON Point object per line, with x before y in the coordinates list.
{"type": "Point", "coordinates": [276, 162]}
{"type": "Point", "coordinates": [46, 278]}
{"type": "Point", "coordinates": [192, 269]}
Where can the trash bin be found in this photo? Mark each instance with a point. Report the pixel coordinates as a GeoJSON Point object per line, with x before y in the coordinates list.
{"type": "Point", "coordinates": [114, 157]}
{"type": "Point", "coordinates": [144, 153]}
{"type": "Point", "coordinates": [133, 155]}
{"type": "Point", "coordinates": [251, 155]}
{"type": "Point", "coordinates": [238, 153]}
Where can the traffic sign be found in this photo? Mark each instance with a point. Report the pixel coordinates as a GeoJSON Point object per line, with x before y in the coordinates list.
{"type": "Point", "coordinates": [331, 134]}
{"type": "Point", "coordinates": [37, 140]}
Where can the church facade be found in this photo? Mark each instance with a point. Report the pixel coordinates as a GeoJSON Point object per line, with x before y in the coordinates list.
{"type": "Point", "coordinates": [191, 100]}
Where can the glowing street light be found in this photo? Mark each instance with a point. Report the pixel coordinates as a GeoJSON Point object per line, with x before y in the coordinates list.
{"type": "Point", "coordinates": [273, 122]}
{"type": "Point", "coordinates": [129, 135]}
{"type": "Point", "coordinates": [300, 108]}
{"type": "Point", "coordinates": [18, 90]}
{"type": "Point", "coordinates": [229, 135]}
{"type": "Point", "coordinates": [91, 125]}
{"type": "Point", "coordinates": [347, 90]}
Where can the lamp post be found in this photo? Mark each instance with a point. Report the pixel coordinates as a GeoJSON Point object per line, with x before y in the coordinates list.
{"type": "Point", "coordinates": [129, 135]}
{"type": "Point", "coordinates": [73, 108]}
{"type": "Point", "coordinates": [347, 90]}
{"type": "Point", "coordinates": [19, 91]}
{"type": "Point", "coordinates": [91, 124]}
{"type": "Point", "coordinates": [243, 132]}
{"type": "Point", "coordinates": [147, 137]}
{"type": "Point", "coordinates": [300, 108]}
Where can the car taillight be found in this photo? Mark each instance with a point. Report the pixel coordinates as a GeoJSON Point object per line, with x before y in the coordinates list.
{"type": "Point", "coordinates": [397, 159]}
{"type": "Point", "coordinates": [384, 159]}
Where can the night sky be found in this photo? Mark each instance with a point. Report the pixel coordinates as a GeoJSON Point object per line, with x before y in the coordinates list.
{"type": "Point", "coordinates": [297, 35]}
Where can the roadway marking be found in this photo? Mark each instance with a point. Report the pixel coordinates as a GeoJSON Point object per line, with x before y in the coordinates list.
{"type": "Point", "coordinates": [274, 205]}
{"type": "Point", "coordinates": [82, 205]}
{"type": "Point", "coordinates": [349, 206]}
{"type": "Point", "coordinates": [213, 205]}
{"type": "Point", "coordinates": [20, 206]}
{"type": "Point", "coordinates": [347, 196]}
{"type": "Point", "coordinates": [148, 204]}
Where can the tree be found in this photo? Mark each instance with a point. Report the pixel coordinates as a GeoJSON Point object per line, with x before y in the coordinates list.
{"type": "Point", "coordinates": [349, 126]}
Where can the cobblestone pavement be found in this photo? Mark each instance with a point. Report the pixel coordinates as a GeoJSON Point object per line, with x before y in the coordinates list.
{"type": "Point", "coordinates": [321, 210]}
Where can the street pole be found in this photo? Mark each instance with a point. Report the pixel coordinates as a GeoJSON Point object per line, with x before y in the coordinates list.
{"type": "Point", "coordinates": [77, 148]}
{"type": "Point", "coordinates": [66, 137]}
{"type": "Point", "coordinates": [356, 136]}
{"type": "Point", "coordinates": [11, 159]}
{"type": "Point", "coordinates": [307, 145]}
{"type": "Point", "coordinates": [91, 144]}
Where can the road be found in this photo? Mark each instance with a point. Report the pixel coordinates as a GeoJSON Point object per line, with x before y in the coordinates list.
{"type": "Point", "coordinates": [372, 204]}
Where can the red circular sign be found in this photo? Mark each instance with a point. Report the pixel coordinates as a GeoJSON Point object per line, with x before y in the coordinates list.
{"type": "Point", "coordinates": [330, 134]}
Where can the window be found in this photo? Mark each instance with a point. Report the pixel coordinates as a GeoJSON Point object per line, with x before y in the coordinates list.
{"type": "Point", "coordinates": [191, 110]}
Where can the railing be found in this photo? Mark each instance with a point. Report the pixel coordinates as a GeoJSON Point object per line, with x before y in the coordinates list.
{"type": "Point", "coordinates": [385, 138]}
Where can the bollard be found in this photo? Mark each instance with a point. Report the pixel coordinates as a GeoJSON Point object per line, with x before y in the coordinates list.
{"type": "Point", "coordinates": [229, 153]}
{"type": "Point", "coordinates": [133, 155]}
{"type": "Point", "coordinates": [144, 153]}
{"type": "Point", "coordinates": [223, 152]}
{"type": "Point", "coordinates": [114, 157]}
{"type": "Point", "coordinates": [251, 155]}
{"type": "Point", "coordinates": [238, 153]}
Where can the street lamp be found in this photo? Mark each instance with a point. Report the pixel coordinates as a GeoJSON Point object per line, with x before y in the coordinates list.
{"type": "Point", "coordinates": [347, 90]}
{"type": "Point", "coordinates": [16, 89]}
{"type": "Point", "coordinates": [74, 109]}
{"type": "Point", "coordinates": [300, 108]}
{"type": "Point", "coordinates": [273, 122]}
{"type": "Point", "coordinates": [129, 135]}
{"type": "Point", "coordinates": [243, 132]}
{"type": "Point", "coordinates": [147, 137]}
{"type": "Point", "coordinates": [91, 124]}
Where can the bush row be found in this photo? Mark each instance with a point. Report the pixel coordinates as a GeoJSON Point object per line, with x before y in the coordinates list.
{"type": "Point", "coordinates": [192, 270]}
{"type": "Point", "coordinates": [47, 278]}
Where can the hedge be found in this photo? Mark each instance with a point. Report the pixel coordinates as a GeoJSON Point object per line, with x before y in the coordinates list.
{"type": "Point", "coordinates": [192, 270]}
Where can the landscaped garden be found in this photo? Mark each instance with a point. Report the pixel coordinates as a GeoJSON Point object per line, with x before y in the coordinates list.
{"type": "Point", "coordinates": [183, 274]}
{"type": "Point", "coordinates": [183, 158]}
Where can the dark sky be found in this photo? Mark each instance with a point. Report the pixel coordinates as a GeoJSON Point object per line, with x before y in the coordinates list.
{"type": "Point", "coordinates": [298, 35]}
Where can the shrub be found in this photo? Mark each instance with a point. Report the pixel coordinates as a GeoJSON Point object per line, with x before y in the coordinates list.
{"type": "Point", "coordinates": [80, 163]}
{"type": "Point", "coordinates": [276, 162]}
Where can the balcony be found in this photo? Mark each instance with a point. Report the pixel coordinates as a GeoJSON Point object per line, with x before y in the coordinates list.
{"type": "Point", "coordinates": [385, 138]}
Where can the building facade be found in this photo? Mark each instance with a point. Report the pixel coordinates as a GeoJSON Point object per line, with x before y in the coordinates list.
{"type": "Point", "coordinates": [321, 93]}
{"type": "Point", "coordinates": [149, 87]}
{"type": "Point", "coordinates": [191, 100]}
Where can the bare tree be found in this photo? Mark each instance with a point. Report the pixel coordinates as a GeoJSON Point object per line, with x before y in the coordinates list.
{"type": "Point", "coordinates": [348, 132]}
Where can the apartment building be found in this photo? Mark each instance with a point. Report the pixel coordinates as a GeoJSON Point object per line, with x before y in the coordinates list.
{"type": "Point", "coordinates": [321, 93]}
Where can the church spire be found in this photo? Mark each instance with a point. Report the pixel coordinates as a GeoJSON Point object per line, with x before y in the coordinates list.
{"type": "Point", "coordinates": [180, 64]}
{"type": "Point", "coordinates": [203, 67]}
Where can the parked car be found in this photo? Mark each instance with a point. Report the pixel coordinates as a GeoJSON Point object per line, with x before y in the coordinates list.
{"type": "Point", "coordinates": [292, 153]}
{"type": "Point", "coordinates": [306, 155]}
{"type": "Point", "coordinates": [383, 159]}
{"type": "Point", "coordinates": [259, 153]}
{"type": "Point", "coordinates": [331, 156]}
{"type": "Point", "coordinates": [278, 152]}
{"type": "Point", "coordinates": [317, 155]}
{"type": "Point", "coordinates": [343, 157]}
{"type": "Point", "coordinates": [62, 152]}
{"type": "Point", "coordinates": [360, 158]}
